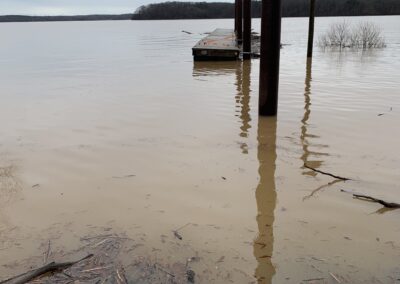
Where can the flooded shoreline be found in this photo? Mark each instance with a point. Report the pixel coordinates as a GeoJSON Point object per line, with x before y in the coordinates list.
{"type": "Point", "coordinates": [111, 128]}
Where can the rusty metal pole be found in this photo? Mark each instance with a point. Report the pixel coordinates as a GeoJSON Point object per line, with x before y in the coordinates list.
{"type": "Point", "coordinates": [311, 29]}
{"type": "Point", "coordinates": [246, 29]}
{"type": "Point", "coordinates": [239, 31]}
{"type": "Point", "coordinates": [269, 57]}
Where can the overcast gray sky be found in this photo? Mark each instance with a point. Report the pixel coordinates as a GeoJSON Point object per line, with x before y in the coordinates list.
{"type": "Point", "coordinates": [71, 7]}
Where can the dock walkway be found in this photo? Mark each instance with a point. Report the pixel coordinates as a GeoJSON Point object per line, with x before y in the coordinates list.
{"type": "Point", "coordinates": [221, 44]}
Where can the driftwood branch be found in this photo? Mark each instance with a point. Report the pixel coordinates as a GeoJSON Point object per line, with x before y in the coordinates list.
{"type": "Point", "coordinates": [51, 267]}
{"type": "Point", "coordinates": [121, 276]}
{"type": "Point", "coordinates": [313, 279]}
{"type": "Point", "coordinates": [335, 277]}
{"type": "Point", "coordinates": [386, 204]}
{"type": "Point", "coordinates": [319, 189]}
{"type": "Point", "coordinates": [125, 176]}
{"type": "Point", "coordinates": [163, 270]}
{"type": "Point", "coordinates": [48, 253]}
{"type": "Point", "coordinates": [176, 234]}
{"type": "Point", "coordinates": [380, 201]}
{"type": "Point", "coordinates": [325, 173]}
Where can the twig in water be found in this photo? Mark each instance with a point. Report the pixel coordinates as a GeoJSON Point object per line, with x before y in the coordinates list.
{"type": "Point", "coordinates": [334, 277]}
{"type": "Point", "coordinates": [387, 205]}
{"type": "Point", "coordinates": [176, 234]}
{"type": "Point", "coordinates": [101, 242]}
{"type": "Point", "coordinates": [180, 228]}
{"type": "Point", "coordinates": [380, 201]}
{"type": "Point", "coordinates": [221, 259]}
{"type": "Point", "coordinates": [163, 269]}
{"type": "Point", "coordinates": [320, 188]}
{"type": "Point", "coordinates": [47, 254]}
{"type": "Point", "coordinates": [97, 237]}
{"type": "Point", "coordinates": [186, 32]}
{"type": "Point", "coordinates": [325, 173]}
{"type": "Point", "coordinates": [96, 268]}
{"type": "Point", "coordinates": [51, 267]}
{"type": "Point", "coordinates": [66, 274]}
{"type": "Point", "coordinates": [316, 268]}
{"type": "Point", "coordinates": [121, 276]}
{"type": "Point", "coordinates": [127, 176]}
{"type": "Point", "coordinates": [313, 279]}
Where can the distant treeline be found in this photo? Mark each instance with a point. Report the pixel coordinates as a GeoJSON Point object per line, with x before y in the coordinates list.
{"type": "Point", "coordinates": [218, 10]}
{"type": "Point", "coordinates": [17, 18]}
{"type": "Point", "coordinates": [290, 8]}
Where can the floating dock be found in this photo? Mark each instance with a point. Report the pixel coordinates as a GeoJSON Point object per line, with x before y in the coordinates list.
{"type": "Point", "coordinates": [221, 44]}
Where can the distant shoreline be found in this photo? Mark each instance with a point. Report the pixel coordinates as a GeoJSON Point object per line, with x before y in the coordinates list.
{"type": "Point", "coordinates": [124, 17]}
{"type": "Point", "coordinates": [290, 8]}
{"type": "Point", "coordinates": [225, 10]}
{"type": "Point", "coordinates": [75, 18]}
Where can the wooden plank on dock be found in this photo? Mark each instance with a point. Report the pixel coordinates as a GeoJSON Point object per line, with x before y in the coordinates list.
{"type": "Point", "coordinates": [221, 44]}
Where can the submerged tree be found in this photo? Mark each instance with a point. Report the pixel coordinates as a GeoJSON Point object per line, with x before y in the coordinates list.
{"type": "Point", "coordinates": [337, 36]}
{"type": "Point", "coordinates": [367, 35]}
{"type": "Point", "coordinates": [364, 36]}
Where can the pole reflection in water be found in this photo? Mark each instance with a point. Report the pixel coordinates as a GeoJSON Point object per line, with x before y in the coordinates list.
{"type": "Point", "coordinates": [306, 116]}
{"type": "Point", "coordinates": [266, 198]}
{"type": "Point", "coordinates": [266, 153]}
{"type": "Point", "coordinates": [243, 101]}
{"type": "Point", "coordinates": [241, 70]}
{"type": "Point", "coordinates": [238, 83]}
{"type": "Point", "coordinates": [305, 135]}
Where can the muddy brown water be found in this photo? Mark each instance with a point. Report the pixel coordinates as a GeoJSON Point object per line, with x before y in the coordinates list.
{"type": "Point", "coordinates": [110, 128]}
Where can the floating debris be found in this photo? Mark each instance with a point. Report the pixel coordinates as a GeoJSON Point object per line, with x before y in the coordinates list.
{"type": "Point", "coordinates": [190, 275]}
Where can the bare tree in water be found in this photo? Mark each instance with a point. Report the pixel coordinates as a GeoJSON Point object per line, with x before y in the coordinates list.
{"type": "Point", "coordinates": [364, 36]}
{"type": "Point", "coordinates": [367, 35]}
{"type": "Point", "coordinates": [337, 36]}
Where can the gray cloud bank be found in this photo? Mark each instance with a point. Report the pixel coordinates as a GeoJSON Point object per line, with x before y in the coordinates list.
{"type": "Point", "coordinates": [74, 7]}
{"type": "Point", "coordinates": [68, 7]}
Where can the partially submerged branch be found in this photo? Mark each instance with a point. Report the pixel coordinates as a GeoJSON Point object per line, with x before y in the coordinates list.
{"type": "Point", "coordinates": [176, 234]}
{"type": "Point", "coordinates": [320, 188]}
{"type": "Point", "coordinates": [386, 204]}
{"type": "Point", "coordinates": [51, 267]}
{"type": "Point", "coordinates": [326, 173]}
{"type": "Point", "coordinates": [380, 201]}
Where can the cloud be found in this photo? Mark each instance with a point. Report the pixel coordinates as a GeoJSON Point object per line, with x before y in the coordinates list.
{"type": "Point", "coordinates": [74, 7]}
{"type": "Point", "coordinates": [68, 7]}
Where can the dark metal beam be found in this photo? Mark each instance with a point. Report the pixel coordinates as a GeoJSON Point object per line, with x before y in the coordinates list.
{"type": "Point", "coordinates": [269, 57]}
{"type": "Point", "coordinates": [236, 15]}
{"type": "Point", "coordinates": [311, 29]}
{"type": "Point", "coordinates": [239, 20]}
{"type": "Point", "coordinates": [246, 29]}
